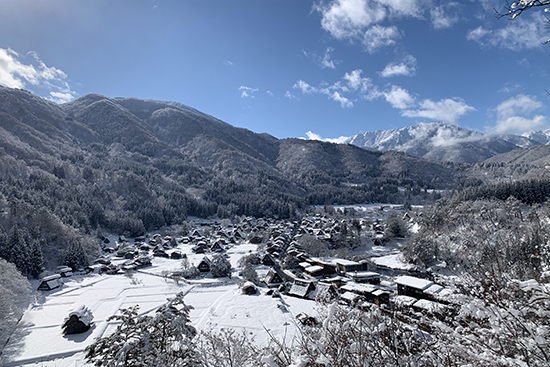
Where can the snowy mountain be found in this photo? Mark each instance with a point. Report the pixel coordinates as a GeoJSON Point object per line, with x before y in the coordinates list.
{"type": "Point", "coordinates": [441, 141]}
{"type": "Point", "coordinates": [543, 137]}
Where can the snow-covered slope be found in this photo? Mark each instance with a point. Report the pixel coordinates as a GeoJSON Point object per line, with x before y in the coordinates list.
{"type": "Point", "coordinates": [443, 141]}
{"type": "Point", "coordinates": [541, 136]}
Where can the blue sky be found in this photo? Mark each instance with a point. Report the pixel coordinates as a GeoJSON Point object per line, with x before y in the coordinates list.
{"type": "Point", "coordinates": [290, 68]}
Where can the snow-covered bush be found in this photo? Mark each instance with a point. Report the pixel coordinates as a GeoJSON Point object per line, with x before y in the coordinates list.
{"type": "Point", "coordinates": [228, 348]}
{"type": "Point", "coordinates": [250, 274]}
{"type": "Point", "coordinates": [162, 340]}
{"type": "Point", "coordinates": [189, 270]}
{"type": "Point", "coordinates": [220, 266]}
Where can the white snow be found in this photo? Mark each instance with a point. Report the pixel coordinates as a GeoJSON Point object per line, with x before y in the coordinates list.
{"type": "Point", "coordinates": [392, 261]}
{"type": "Point", "coordinates": [217, 303]}
{"type": "Point", "coordinates": [83, 313]}
{"type": "Point", "coordinates": [413, 282]}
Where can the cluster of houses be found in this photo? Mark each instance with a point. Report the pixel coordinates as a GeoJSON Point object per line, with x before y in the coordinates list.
{"type": "Point", "coordinates": [308, 277]}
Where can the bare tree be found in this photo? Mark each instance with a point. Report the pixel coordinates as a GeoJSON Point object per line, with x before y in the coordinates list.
{"type": "Point", "coordinates": [514, 9]}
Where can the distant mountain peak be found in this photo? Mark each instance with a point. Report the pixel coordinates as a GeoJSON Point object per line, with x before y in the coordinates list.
{"type": "Point", "coordinates": [444, 141]}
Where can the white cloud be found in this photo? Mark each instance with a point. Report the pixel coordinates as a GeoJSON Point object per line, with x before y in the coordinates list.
{"type": "Point", "coordinates": [227, 63]}
{"type": "Point", "coordinates": [289, 95]}
{"type": "Point", "coordinates": [326, 61]}
{"type": "Point", "coordinates": [312, 136]}
{"type": "Point", "coordinates": [519, 125]}
{"type": "Point", "coordinates": [351, 83]}
{"type": "Point", "coordinates": [270, 93]}
{"type": "Point", "coordinates": [509, 87]}
{"type": "Point", "coordinates": [304, 87]}
{"type": "Point", "coordinates": [359, 20]}
{"type": "Point", "coordinates": [16, 74]}
{"type": "Point", "coordinates": [347, 19]}
{"type": "Point", "coordinates": [405, 68]}
{"type": "Point", "coordinates": [399, 98]}
{"type": "Point", "coordinates": [379, 36]}
{"type": "Point", "coordinates": [521, 33]}
{"type": "Point", "coordinates": [247, 91]}
{"type": "Point", "coordinates": [344, 102]}
{"type": "Point", "coordinates": [444, 16]}
{"type": "Point", "coordinates": [356, 82]}
{"type": "Point", "coordinates": [518, 104]}
{"type": "Point", "coordinates": [445, 110]}
{"type": "Point", "coordinates": [515, 115]}
{"type": "Point", "coordinates": [60, 97]}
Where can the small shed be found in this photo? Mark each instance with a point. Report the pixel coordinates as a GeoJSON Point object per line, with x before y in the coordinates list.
{"type": "Point", "coordinates": [177, 254]}
{"type": "Point", "coordinates": [64, 271]}
{"type": "Point", "coordinates": [50, 282]}
{"type": "Point", "coordinates": [79, 320]}
{"type": "Point", "coordinates": [249, 288]}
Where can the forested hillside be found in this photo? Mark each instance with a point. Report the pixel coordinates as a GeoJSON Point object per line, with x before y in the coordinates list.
{"type": "Point", "coordinates": [128, 166]}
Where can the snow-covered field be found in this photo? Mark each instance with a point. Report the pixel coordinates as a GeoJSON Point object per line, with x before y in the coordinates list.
{"type": "Point", "coordinates": [217, 303]}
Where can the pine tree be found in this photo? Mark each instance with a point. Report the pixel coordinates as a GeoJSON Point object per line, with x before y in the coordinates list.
{"type": "Point", "coordinates": [36, 259]}
{"type": "Point", "coordinates": [17, 251]}
{"type": "Point", "coordinates": [74, 255]}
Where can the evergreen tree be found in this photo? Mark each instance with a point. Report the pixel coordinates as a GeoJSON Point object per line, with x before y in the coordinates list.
{"type": "Point", "coordinates": [74, 255]}
{"type": "Point", "coordinates": [17, 251]}
{"type": "Point", "coordinates": [36, 259]}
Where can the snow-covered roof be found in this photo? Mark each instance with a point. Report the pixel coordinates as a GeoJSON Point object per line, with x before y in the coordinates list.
{"type": "Point", "coordinates": [413, 282]}
{"type": "Point", "coordinates": [83, 313]}
{"type": "Point", "coordinates": [349, 296]}
{"type": "Point", "coordinates": [346, 262]}
{"type": "Point", "coordinates": [313, 269]}
{"type": "Point", "coordinates": [299, 288]}
{"type": "Point", "coordinates": [434, 289]}
{"type": "Point", "coordinates": [51, 277]}
{"type": "Point", "coordinates": [358, 288]}
{"type": "Point", "coordinates": [429, 306]}
{"type": "Point", "coordinates": [363, 274]}
{"type": "Point", "coordinates": [248, 285]}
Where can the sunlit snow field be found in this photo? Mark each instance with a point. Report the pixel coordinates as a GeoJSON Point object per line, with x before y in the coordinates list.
{"type": "Point", "coordinates": [217, 303]}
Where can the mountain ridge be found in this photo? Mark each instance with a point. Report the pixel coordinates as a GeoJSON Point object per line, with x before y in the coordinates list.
{"type": "Point", "coordinates": [443, 141]}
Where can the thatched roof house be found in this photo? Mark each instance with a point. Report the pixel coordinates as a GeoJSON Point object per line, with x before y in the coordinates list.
{"type": "Point", "coordinates": [79, 320]}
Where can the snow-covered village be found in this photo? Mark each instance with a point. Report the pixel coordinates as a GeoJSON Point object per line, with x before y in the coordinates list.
{"type": "Point", "coordinates": [270, 292]}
